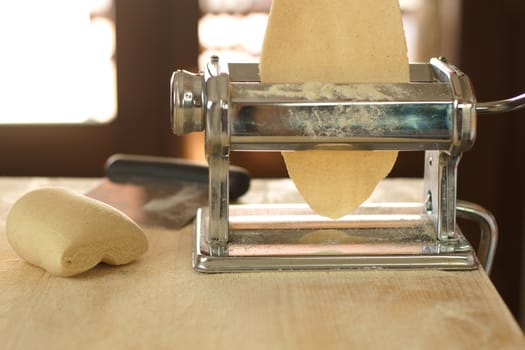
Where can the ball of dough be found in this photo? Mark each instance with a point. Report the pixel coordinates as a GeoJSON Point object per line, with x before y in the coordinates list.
{"type": "Point", "coordinates": [67, 233]}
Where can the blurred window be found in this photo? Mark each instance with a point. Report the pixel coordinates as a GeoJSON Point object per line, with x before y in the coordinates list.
{"type": "Point", "coordinates": [234, 29]}
{"type": "Point", "coordinates": [58, 62]}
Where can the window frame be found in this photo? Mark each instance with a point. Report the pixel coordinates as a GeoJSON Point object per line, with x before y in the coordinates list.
{"type": "Point", "coordinates": [152, 40]}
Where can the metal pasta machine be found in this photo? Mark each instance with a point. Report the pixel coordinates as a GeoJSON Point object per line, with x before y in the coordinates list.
{"type": "Point", "coordinates": [435, 113]}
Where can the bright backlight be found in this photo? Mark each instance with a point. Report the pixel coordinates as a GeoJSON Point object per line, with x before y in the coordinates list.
{"type": "Point", "coordinates": [56, 64]}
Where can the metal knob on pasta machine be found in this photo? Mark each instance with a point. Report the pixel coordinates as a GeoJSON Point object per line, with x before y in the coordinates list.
{"type": "Point", "coordinates": [435, 113]}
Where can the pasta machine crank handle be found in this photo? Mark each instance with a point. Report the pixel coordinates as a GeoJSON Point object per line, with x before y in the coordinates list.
{"type": "Point", "coordinates": [501, 106]}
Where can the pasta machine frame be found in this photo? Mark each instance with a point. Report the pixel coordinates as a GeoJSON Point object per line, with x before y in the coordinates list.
{"type": "Point", "coordinates": [435, 113]}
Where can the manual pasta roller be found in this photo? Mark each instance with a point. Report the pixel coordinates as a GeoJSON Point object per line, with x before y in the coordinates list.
{"type": "Point", "coordinates": [434, 113]}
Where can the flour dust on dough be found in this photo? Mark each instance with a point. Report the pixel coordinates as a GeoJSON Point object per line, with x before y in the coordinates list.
{"type": "Point", "coordinates": [67, 233]}
{"type": "Point", "coordinates": [335, 41]}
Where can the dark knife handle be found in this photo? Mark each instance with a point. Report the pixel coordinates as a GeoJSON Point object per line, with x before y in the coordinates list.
{"type": "Point", "coordinates": [126, 168]}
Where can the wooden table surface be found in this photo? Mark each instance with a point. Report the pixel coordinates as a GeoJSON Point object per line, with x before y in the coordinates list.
{"type": "Point", "coordinates": [158, 302]}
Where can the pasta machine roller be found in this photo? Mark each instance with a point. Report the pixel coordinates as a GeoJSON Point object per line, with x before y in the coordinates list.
{"type": "Point", "coordinates": [435, 112]}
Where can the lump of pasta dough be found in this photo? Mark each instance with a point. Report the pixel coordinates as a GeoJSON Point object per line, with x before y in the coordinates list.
{"type": "Point", "coordinates": [67, 233]}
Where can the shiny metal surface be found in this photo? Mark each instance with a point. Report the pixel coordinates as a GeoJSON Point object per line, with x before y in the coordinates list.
{"type": "Point", "coordinates": [422, 115]}
{"type": "Point", "coordinates": [354, 116]}
{"type": "Point", "coordinates": [435, 112]}
{"type": "Point", "coordinates": [440, 188]}
{"type": "Point", "coordinates": [188, 101]}
{"type": "Point", "coordinates": [501, 106]}
{"type": "Point", "coordinates": [488, 231]}
{"type": "Point", "coordinates": [217, 152]}
{"type": "Point", "coordinates": [292, 237]}
{"type": "Point", "coordinates": [464, 101]}
{"type": "Point", "coordinates": [249, 72]}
